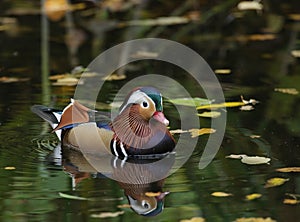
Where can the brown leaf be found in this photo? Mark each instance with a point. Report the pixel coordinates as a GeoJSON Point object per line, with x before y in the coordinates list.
{"type": "Point", "coordinates": [289, 170]}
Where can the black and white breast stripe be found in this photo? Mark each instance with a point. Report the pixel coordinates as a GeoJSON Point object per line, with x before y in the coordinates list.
{"type": "Point", "coordinates": [118, 149]}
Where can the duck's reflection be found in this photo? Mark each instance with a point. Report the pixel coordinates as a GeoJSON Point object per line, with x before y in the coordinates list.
{"type": "Point", "coordinates": [137, 177]}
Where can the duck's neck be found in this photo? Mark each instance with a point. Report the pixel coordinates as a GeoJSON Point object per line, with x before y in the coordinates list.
{"type": "Point", "coordinates": [131, 129]}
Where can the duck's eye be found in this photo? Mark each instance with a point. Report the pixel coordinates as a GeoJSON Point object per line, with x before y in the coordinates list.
{"type": "Point", "coordinates": [145, 104]}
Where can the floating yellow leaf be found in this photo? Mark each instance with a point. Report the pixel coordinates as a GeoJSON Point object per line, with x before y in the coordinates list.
{"type": "Point", "coordinates": [276, 181]}
{"type": "Point", "coordinates": [255, 136]}
{"type": "Point", "coordinates": [199, 132]}
{"type": "Point", "coordinates": [212, 114]}
{"type": "Point", "coordinates": [107, 214]}
{"type": "Point", "coordinates": [291, 201]}
{"type": "Point", "coordinates": [254, 219]}
{"type": "Point", "coordinates": [289, 170]}
{"type": "Point", "coordinates": [67, 81]}
{"type": "Point", "coordinates": [291, 91]}
{"type": "Point", "coordinates": [9, 168]}
{"type": "Point", "coordinates": [220, 194]}
{"type": "Point", "coordinates": [194, 219]}
{"type": "Point", "coordinates": [253, 196]}
{"type": "Point", "coordinates": [152, 194]}
{"type": "Point", "coordinates": [229, 104]}
{"type": "Point", "coordinates": [222, 71]}
{"type": "Point", "coordinates": [295, 17]}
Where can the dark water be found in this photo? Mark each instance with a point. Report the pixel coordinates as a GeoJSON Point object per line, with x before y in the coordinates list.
{"type": "Point", "coordinates": [255, 45]}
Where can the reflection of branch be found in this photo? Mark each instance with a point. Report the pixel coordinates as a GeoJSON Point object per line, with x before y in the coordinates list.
{"type": "Point", "coordinates": [45, 59]}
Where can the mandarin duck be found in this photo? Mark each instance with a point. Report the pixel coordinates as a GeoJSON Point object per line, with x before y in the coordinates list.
{"type": "Point", "coordinates": [139, 129]}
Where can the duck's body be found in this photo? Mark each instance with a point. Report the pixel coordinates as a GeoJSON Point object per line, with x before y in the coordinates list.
{"type": "Point", "coordinates": [138, 130]}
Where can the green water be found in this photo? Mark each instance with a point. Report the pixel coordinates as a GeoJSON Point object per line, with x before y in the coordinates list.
{"type": "Point", "coordinates": [225, 37]}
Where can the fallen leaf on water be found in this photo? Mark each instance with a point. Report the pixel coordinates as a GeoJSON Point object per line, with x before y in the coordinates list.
{"type": "Point", "coordinates": [229, 104]}
{"type": "Point", "coordinates": [190, 101]}
{"type": "Point", "coordinates": [114, 76]}
{"type": "Point", "coordinates": [250, 5]}
{"type": "Point", "coordinates": [251, 160]}
{"type": "Point", "coordinates": [107, 214]}
{"type": "Point", "coordinates": [253, 196]}
{"type": "Point", "coordinates": [235, 156]}
{"type": "Point", "coordinates": [295, 17]}
{"type": "Point", "coordinates": [255, 136]}
{"type": "Point", "coordinates": [246, 108]}
{"type": "Point", "coordinates": [295, 53]}
{"type": "Point", "coordinates": [68, 196]}
{"type": "Point", "coordinates": [291, 201]}
{"type": "Point", "coordinates": [254, 219]}
{"type": "Point", "coordinates": [289, 170]}
{"type": "Point", "coordinates": [199, 132]}
{"type": "Point", "coordinates": [222, 71]}
{"type": "Point", "coordinates": [5, 79]}
{"type": "Point", "coordinates": [143, 54]}
{"type": "Point", "coordinates": [123, 206]}
{"type": "Point", "coordinates": [67, 81]}
{"type": "Point", "coordinates": [212, 114]}
{"type": "Point", "coordinates": [152, 194]}
{"type": "Point", "coordinates": [177, 131]}
{"type": "Point", "coordinates": [171, 20]}
{"type": "Point", "coordinates": [274, 182]}
{"type": "Point", "coordinates": [194, 219]}
{"type": "Point", "coordinates": [291, 91]}
{"type": "Point", "coordinates": [10, 168]}
{"type": "Point", "coordinates": [220, 194]}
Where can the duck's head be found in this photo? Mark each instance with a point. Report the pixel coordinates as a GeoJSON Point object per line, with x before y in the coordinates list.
{"type": "Point", "coordinates": [147, 102]}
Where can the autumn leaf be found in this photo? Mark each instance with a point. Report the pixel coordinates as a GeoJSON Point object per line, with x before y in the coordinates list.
{"type": "Point", "coordinates": [250, 5]}
{"type": "Point", "coordinates": [68, 196]}
{"type": "Point", "coordinates": [243, 102]}
{"type": "Point", "coordinates": [114, 77]}
{"type": "Point", "coordinates": [253, 196]}
{"type": "Point", "coordinates": [254, 219]}
{"type": "Point", "coordinates": [222, 71]}
{"type": "Point", "coordinates": [274, 182]}
{"type": "Point", "coordinates": [5, 79]}
{"type": "Point", "coordinates": [212, 114]}
{"type": "Point", "coordinates": [220, 194]}
{"type": "Point", "coordinates": [289, 170]}
{"type": "Point", "coordinates": [194, 219]}
{"type": "Point", "coordinates": [251, 160]}
{"type": "Point", "coordinates": [10, 168]}
{"type": "Point", "coordinates": [152, 194]}
{"type": "Point", "coordinates": [107, 214]}
{"type": "Point", "coordinates": [199, 132]}
{"type": "Point", "coordinates": [291, 201]}
{"type": "Point", "coordinates": [291, 91]}
{"type": "Point", "coordinates": [296, 53]}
